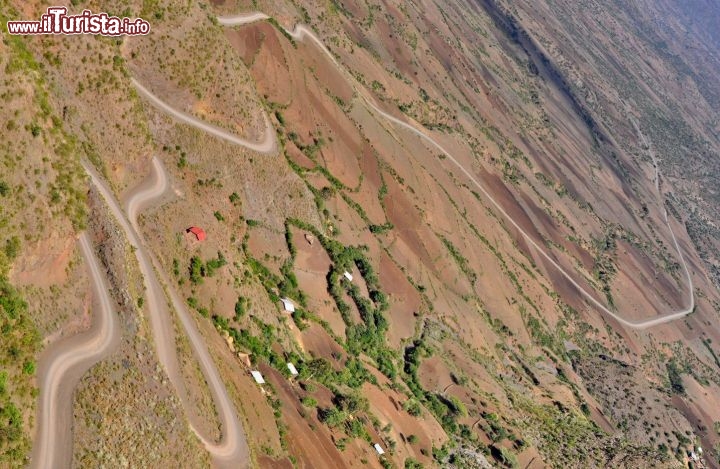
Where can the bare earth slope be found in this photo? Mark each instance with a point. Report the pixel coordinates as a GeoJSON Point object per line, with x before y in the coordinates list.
{"type": "Point", "coordinates": [521, 194]}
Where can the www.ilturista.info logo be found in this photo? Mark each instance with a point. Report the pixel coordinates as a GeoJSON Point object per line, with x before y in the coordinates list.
{"type": "Point", "coordinates": [57, 21]}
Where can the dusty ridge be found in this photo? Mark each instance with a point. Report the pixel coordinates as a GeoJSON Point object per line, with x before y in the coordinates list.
{"type": "Point", "coordinates": [299, 32]}
{"type": "Point", "coordinates": [232, 450]}
{"type": "Point", "coordinates": [64, 364]}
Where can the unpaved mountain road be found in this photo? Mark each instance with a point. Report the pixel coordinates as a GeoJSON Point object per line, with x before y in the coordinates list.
{"type": "Point", "coordinates": [268, 145]}
{"type": "Point", "coordinates": [232, 449]}
{"type": "Point", "coordinates": [62, 365]}
{"type": "Point", "coordinates": [71, 358]}
{"type": "Point", "coordinates": [300, 32]}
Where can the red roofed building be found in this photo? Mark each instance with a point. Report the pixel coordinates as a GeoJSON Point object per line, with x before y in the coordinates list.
{"type": "Point", "coordinates": [198, 232]}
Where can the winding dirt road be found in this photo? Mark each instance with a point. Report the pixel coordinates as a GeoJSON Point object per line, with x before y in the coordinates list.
{"type": "Point", "coordinates": [63, 364]}
{"type": "Point", "coordinates": [300, 32]}
{"type": "Point", "coordinates": [232, 449]}
{"type": "Point", "coordinates": [68, 360]}
{"type": "Point", "coordinates": [268, 145]}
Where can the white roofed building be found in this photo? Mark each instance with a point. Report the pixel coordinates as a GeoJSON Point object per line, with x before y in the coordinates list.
{"type": "Point", "coordinates": [288, 305]}
{"type": "Point", "coordinates": [258, 377]}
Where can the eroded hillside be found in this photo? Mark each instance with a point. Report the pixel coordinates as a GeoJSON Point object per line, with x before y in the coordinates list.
{"type": "Point", "coordinates": [490, 219]}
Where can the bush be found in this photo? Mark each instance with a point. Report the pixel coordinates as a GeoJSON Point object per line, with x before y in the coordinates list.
{"type": "Point", "coordinates": [196, 270]}
{"type": "Point", "coordinates": [12, 248]}
{"type": "Point", "coordinates": [675, 378]}
{"type": "Point", "coordinates": [309, 402]}
{"type": "Point", "coordinates": [241, 306]}
{"type": "Point", "coordinates": [332, 417]}
{"type": "Point", "coordinates": [411, 463]}
{"type": "Point", "coordinates": [413, 407]}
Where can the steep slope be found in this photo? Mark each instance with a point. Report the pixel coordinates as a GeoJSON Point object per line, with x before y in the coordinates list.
{"type": "Point", "coordinates": [521, 193]}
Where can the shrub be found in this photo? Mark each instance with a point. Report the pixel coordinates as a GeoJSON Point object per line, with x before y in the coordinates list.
{"type": "Point", "coordinates": [332, 417]}
{"type": "Point", "coordinates": [309, 402]}
{"type": "Point", "coordinates": [411, 463]}
{"type": "Point", "coordinates": [675, 378]}
{"type": "Point", "coordinates": [12, 247]}
{"type": "Point", "coordinates": [196, 270]}
{"type": "Point", "coordinates": [413, 407]}
{"type": "Point", "coordinates": [241, 306]}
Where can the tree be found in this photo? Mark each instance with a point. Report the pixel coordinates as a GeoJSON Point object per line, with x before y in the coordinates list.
{"type": "Point", "coordinates": [352, 403]}
{"type": "Point", "coordinates": [240, 307]}
{"type": "Point", "coordinates": [413, 407]}
{"type": "Point", "coordinates": [332, 417]}
{"type": "Point", "coordinates": [12, 247]}
{"type": "Point", "coordinates": [318, 368]}
{"type": "Point", "coordinates": [411, 463]}
{"type": "Point", "coordinates": [196, 269]}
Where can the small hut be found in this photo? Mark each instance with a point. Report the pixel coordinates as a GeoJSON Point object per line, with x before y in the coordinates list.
{"type": "Point", "coordinates": [198, 232]}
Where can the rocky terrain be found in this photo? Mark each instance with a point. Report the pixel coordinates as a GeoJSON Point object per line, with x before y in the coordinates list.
{"type": "Point", "coordinates": [508, 256]}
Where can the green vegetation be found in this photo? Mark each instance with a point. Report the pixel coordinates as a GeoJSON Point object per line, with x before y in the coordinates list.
{"type": "Point", "coordinates": [675, 378]}
{"type": "Point", "coordinates": [309, 402]}
{"type": "Point", "coordinates": [198, 269]}
{"type": "Point", "coordinates": [66, 192]}
{"type": "Point", "coordinates": [412, 406]}
{"type": "Point", "coordinates": [380, 229]}
{"type": "Point", "coordinates": [241, 306]}
{"type": "Point", "coordinates": [446, 410]}
{"type": "Point", "coordinates": [605, 269]}
{"type": "Point", "coordinates": [459, 259]}
{"type": "Point", "coordinates": [19, 342]}
{"type": "Point", "coordinates": [287, 35]}
{"type": "Point", "coordinates": [411, 463]}
{"type": "Point", "coordinates": [369, 336]}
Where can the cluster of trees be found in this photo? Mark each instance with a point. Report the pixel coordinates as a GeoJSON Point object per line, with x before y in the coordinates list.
{"type": "Point", "coordinates": [675, 378]}
{"type": "Point", "coordinates": [446, 410]}
{"type": "Point", "coordinates": [285, 285]}
{"type": "Point", "coordinates": [199, 269]}
{"type": "Point", "coordinates": [345, 413]}
{"type": "Point", "coordinates": [259, 346]}
{"type": "Point", "coordinates": [19, 342]}
{"type": "Point", "coordinates": [604, 269]}
{"type": "Point", "coordinates": [369, 336]}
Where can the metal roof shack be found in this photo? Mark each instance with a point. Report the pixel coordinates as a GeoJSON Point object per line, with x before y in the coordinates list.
{"type": "Point", "coordinates": [198, 232]}
{"type": "Point", "coordinates": [288, 305]}
{"type": "Point", "coordinates": [258, 377]}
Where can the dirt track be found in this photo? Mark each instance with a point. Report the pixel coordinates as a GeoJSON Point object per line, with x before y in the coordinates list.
{"type": "Point", "coordinates": [74, 356]}
{"type": "Point", "coordinates": [232, 450]}
{"type": "Point", "coordinates": [63, 364]}
{"type": "Point", "coordinates": [268, 145]}
{"type": "Point", "coordinates": [300, 32]}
